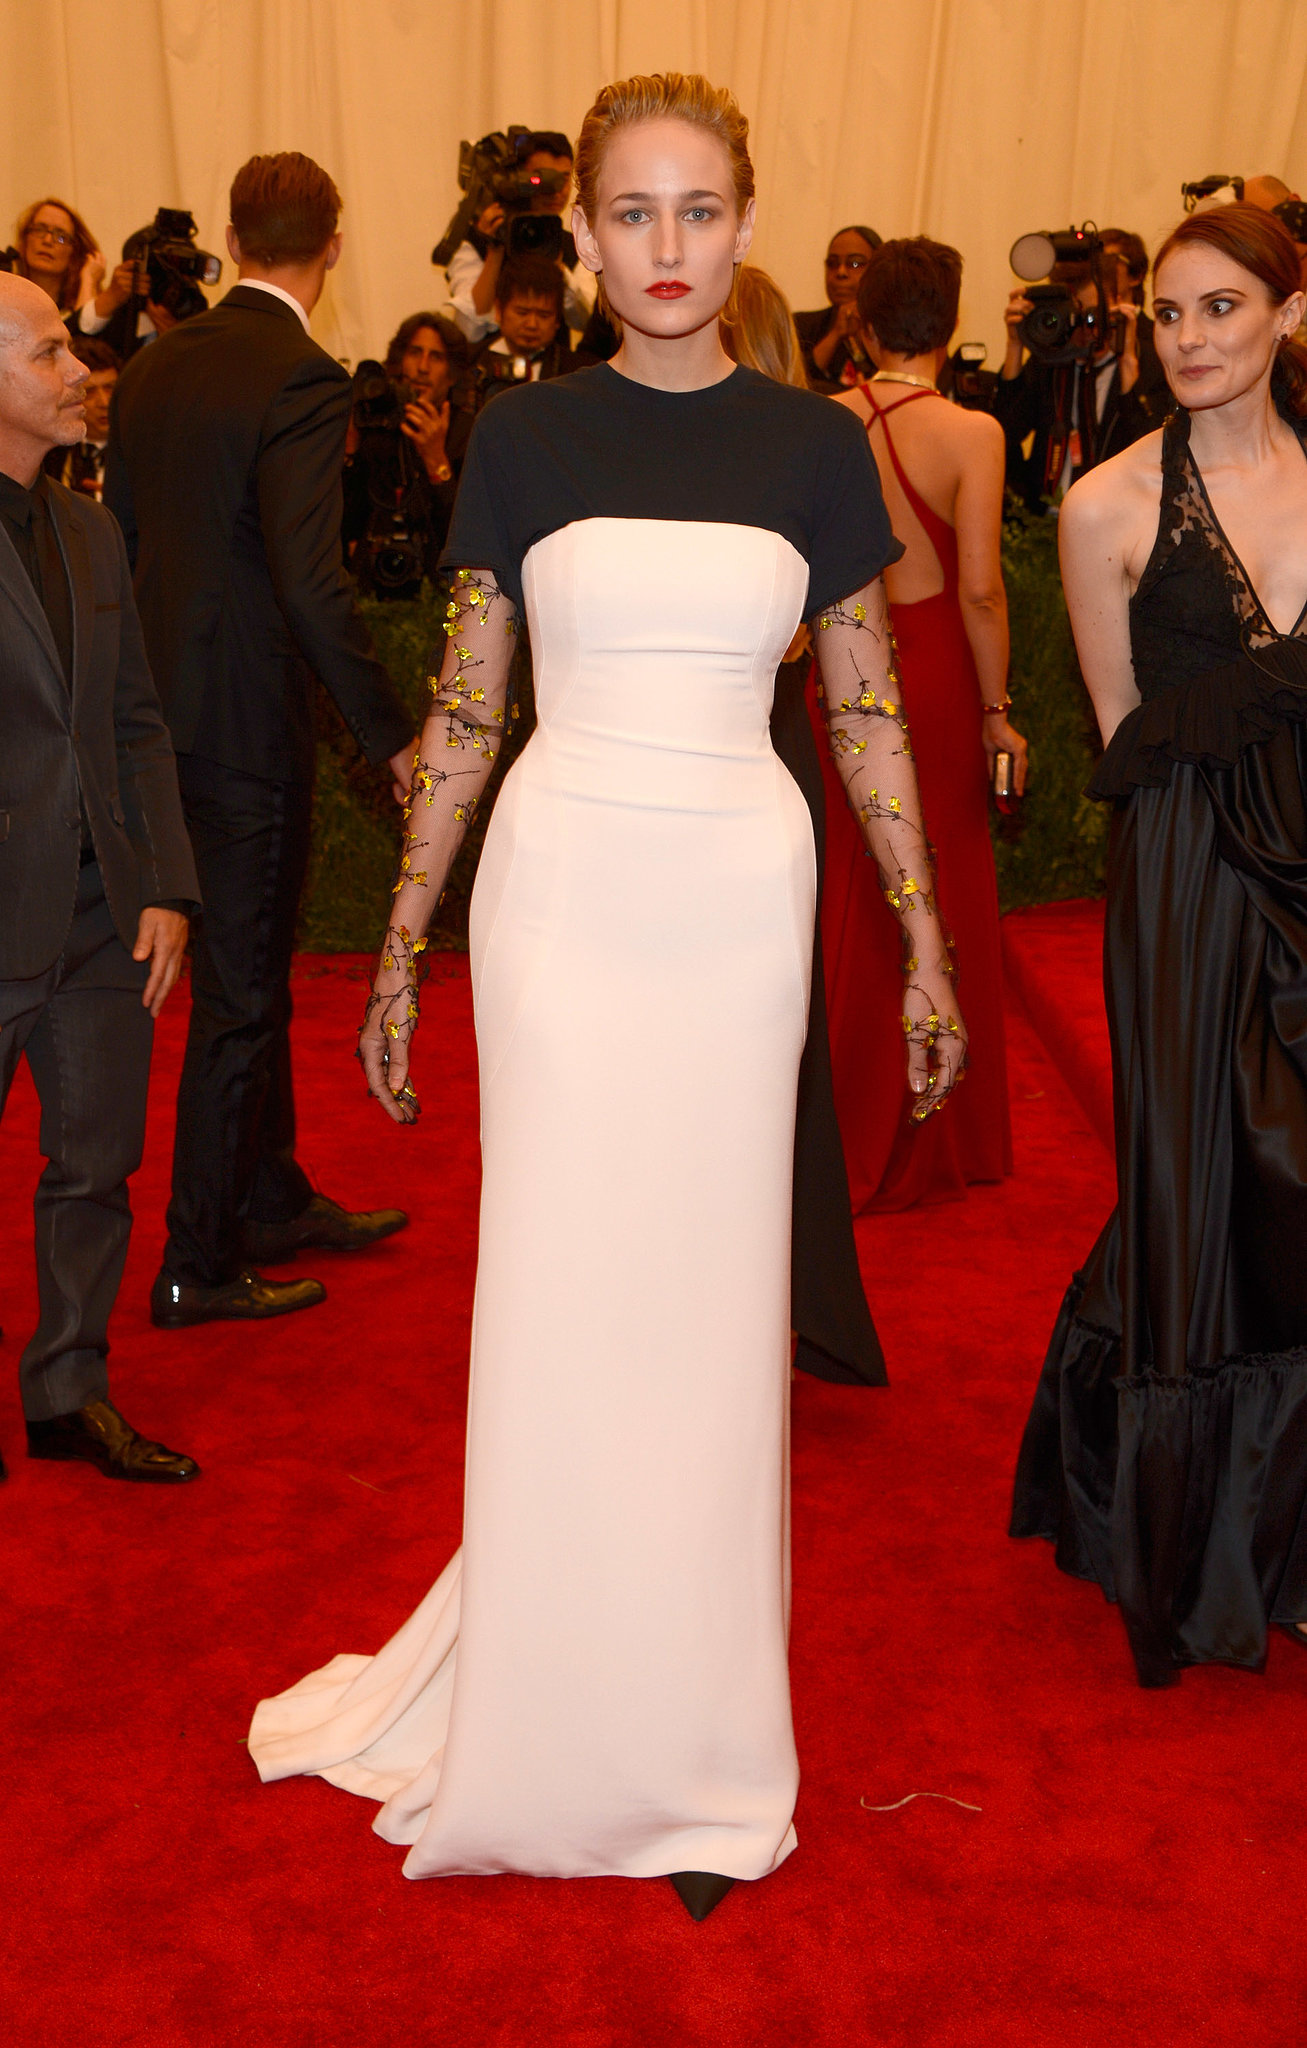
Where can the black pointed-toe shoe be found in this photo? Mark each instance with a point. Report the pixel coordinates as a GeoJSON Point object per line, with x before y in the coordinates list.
{"type": "Point", "coordinates": [700, 1890]}
{"type": "Point", "coordinates": [176, 1304]}
{"type": "Point", "coordinates": [99, 1435]}
{"type": "Point", "coordinates": [324, 1226]}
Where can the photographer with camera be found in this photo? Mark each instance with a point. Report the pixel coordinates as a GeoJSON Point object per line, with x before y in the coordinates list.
{"type": "Point", "coordinates": [154, 288]}
{"type": "Point", "coordinates": [1073, 375]}
{"type": "Point", "coordinates": [408, 433]}
{"type": "Point", "coordinates": [517, 187]}
{"type": "Point", "coordinates": [532, 342]}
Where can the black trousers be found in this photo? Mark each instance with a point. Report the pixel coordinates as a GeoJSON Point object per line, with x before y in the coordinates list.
{"type": "Point", "coordinates": [234, 1153]}
{"type": "Point", "coordinates": [87, 1038]}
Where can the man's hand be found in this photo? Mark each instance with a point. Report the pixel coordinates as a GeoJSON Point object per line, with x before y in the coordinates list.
{"type": "Point", "coordinates": [160, 939]}
{"type": "Point", "coordinates": [401, 771]}
{"type": "Point", "coordinates": [1018, 305]}
{"type": "Point", "coordinates": [116, 293]}
{"type": "Point", "coordinates": [491, 219]}
{"type": "Point", "coordinates": [164, 321]}
{"type": "Point", "coordinates": [92, 277]}
{"type": "Point", "coordinates": [426, 426]}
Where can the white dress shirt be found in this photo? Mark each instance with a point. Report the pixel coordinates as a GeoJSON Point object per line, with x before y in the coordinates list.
{"type": "Point", "coordinates": [463, 270]}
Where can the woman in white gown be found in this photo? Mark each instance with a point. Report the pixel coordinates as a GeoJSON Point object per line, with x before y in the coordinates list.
{"type": "Point", "coordinates": [597, 1683]}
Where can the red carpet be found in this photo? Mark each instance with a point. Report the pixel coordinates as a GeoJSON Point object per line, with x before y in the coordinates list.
{"type": "Point", "coordinates": [1053, 957]}
{"type": "Point", "coordinates": [1134, 1870]}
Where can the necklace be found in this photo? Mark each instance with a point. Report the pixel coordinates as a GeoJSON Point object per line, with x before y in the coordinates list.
{"type": "Point", "coordinates": [902, 377]}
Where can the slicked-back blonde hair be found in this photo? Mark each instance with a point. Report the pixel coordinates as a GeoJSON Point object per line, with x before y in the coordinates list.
{"type": "Point", "coordinates": [674, 95]}
{"type": "Point", "coordinates": [757, 328]}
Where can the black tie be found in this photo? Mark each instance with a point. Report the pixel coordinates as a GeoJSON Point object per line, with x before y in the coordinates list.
{"type": "Point", "coordinates": [45, 566]}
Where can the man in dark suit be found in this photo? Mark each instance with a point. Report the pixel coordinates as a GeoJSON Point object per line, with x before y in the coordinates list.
{"type": "Point", "coordinates": [96, 879]}
{"type": "Point", "coordinates": [225, 453]}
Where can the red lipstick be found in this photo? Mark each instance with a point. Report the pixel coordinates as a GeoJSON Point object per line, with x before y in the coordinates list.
{"type": "Point", "coordinates": [673, 289]}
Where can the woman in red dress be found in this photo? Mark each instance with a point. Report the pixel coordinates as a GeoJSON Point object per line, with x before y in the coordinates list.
{"type": "Point", "coordinates": [941, 469]}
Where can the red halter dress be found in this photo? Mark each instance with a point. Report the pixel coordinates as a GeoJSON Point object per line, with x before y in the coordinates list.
{"type": "Point", "coordinates": [893, 1162]}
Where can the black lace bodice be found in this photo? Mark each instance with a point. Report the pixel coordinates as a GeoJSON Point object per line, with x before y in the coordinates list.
{"type": "Point", "coordinates": [1195, 608]}
{"type": "Point", "coordinates": [1214, 675]}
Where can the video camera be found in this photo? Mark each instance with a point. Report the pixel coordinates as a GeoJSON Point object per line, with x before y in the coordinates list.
{"type": "Point", "coordinates": [1058, 329]}
{"type": "Point", "coordinates": [1211, 188]}
{"type": "Point", "coordinates": [170, 267]}
{"type": "Point", "coordinates": [492, 170]}
{"type": "Point", "coordinates": [388, 560]}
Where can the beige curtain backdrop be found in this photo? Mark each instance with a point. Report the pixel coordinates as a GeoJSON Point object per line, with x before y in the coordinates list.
{"type": "Point", "coordinates": [969, 120]}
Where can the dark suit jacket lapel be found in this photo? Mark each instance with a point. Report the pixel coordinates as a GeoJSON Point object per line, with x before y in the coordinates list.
{"type": "Point", "coordinates": [71, 536]}
{"type": "Point", "coordinates": [16, 586]}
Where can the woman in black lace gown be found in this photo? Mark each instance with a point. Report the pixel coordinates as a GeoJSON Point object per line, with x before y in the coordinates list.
{"type": "Point", "coordinates": [1166, 1451]}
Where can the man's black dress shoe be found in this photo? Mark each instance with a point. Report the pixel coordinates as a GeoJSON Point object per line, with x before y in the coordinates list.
{"type": "Point", "coordinates": [700, 1890]}
{"type": "Point", "coordinates": [176, 1304]}
{"type": "Point", "coordinates": [98, 1435]}
{"type": "Point", "coordinates": [321, 1227]}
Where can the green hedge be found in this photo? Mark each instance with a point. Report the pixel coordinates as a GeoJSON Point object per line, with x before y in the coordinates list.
{"type": "Point", "coordinates": [1054, 849]}
{"type": "Point", "coordinates": [1056, 846]}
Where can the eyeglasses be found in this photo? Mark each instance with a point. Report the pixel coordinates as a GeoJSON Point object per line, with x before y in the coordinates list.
{"type": "Point", "coordinates": [59, 236]}
{"type": "Point", "coordinates": [847, 262]}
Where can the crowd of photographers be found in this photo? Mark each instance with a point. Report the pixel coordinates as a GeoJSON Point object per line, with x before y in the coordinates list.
{"type": "Point", "coordinates": [1079, 378]}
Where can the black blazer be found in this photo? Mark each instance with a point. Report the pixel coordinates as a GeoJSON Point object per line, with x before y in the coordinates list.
{"type": "Point", "coordinates": [226, 445]}
{"type": "Point", "coordinates": [105, 738]}
{"type": "Point", "coordinates": [1027, 404]}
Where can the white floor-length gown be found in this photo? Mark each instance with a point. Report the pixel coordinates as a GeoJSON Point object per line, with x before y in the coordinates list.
{"type": "Point", "coordinates": [598, 1682]}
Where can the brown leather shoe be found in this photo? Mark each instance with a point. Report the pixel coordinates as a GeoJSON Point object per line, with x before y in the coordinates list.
{"type": "Point", "coordinates": [98, 1435]}
{"type": "Point", "coordinates": [321, 1227]}
{"type": "Point", "coordinates": [176, 1304]}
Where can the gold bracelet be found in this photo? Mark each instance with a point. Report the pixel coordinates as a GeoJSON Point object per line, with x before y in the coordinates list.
{"type": "Point", "coordinates": [996, 710]}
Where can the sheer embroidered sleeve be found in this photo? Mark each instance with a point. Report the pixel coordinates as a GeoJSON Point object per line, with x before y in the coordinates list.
{"type": "Point", "coordinates": [859, 688]}
{"type": "Point", "coordinates": [457, 748]}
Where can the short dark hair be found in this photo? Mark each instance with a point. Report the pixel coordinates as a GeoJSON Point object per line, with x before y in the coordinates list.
{"type": "Point", "coordinates": [535, 277]}
{"type": "Point", "coordinates": [1132, 250]}
{"type": "Point", "coordinates": [450, 334]}
{"type": "Point", "coordinates": [97, 355]}
{"type": "Point", "coordinates": [543, 142]}
{"type": "Point", "coordinates": [909, 292]}
{"type": "Point", "coordinates": [284, 208]}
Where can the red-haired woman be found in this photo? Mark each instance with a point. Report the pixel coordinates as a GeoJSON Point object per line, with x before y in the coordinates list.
{"type": "Point", "coordinates": [1166, 1452]}
{"type": "Point", "coordinates": [57, 250]}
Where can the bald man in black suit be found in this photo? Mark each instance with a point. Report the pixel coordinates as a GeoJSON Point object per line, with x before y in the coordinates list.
{"type": "Point", "coordinates": [96, 880]}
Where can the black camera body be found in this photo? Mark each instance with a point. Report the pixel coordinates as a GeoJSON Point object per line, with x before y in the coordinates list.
{"type": "Point", "coordinates": [389, 559]}
{"type": "Point", "coordinates": [491, 170]}
{"type": "Point", "coordinates": [1207, 188]}
{"type": "Point", "coordinates": [965, 379]}
{"type": "Point", "coordinates": [170, 265]}
{"type": "Point", "coordinates": [1058, 329]}
{"type": "Point", "coordinates": [379, 399]}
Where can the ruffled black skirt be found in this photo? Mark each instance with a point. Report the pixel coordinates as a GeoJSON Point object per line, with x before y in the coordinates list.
{"type": "Point", "coordinates": [1166, 1451]}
